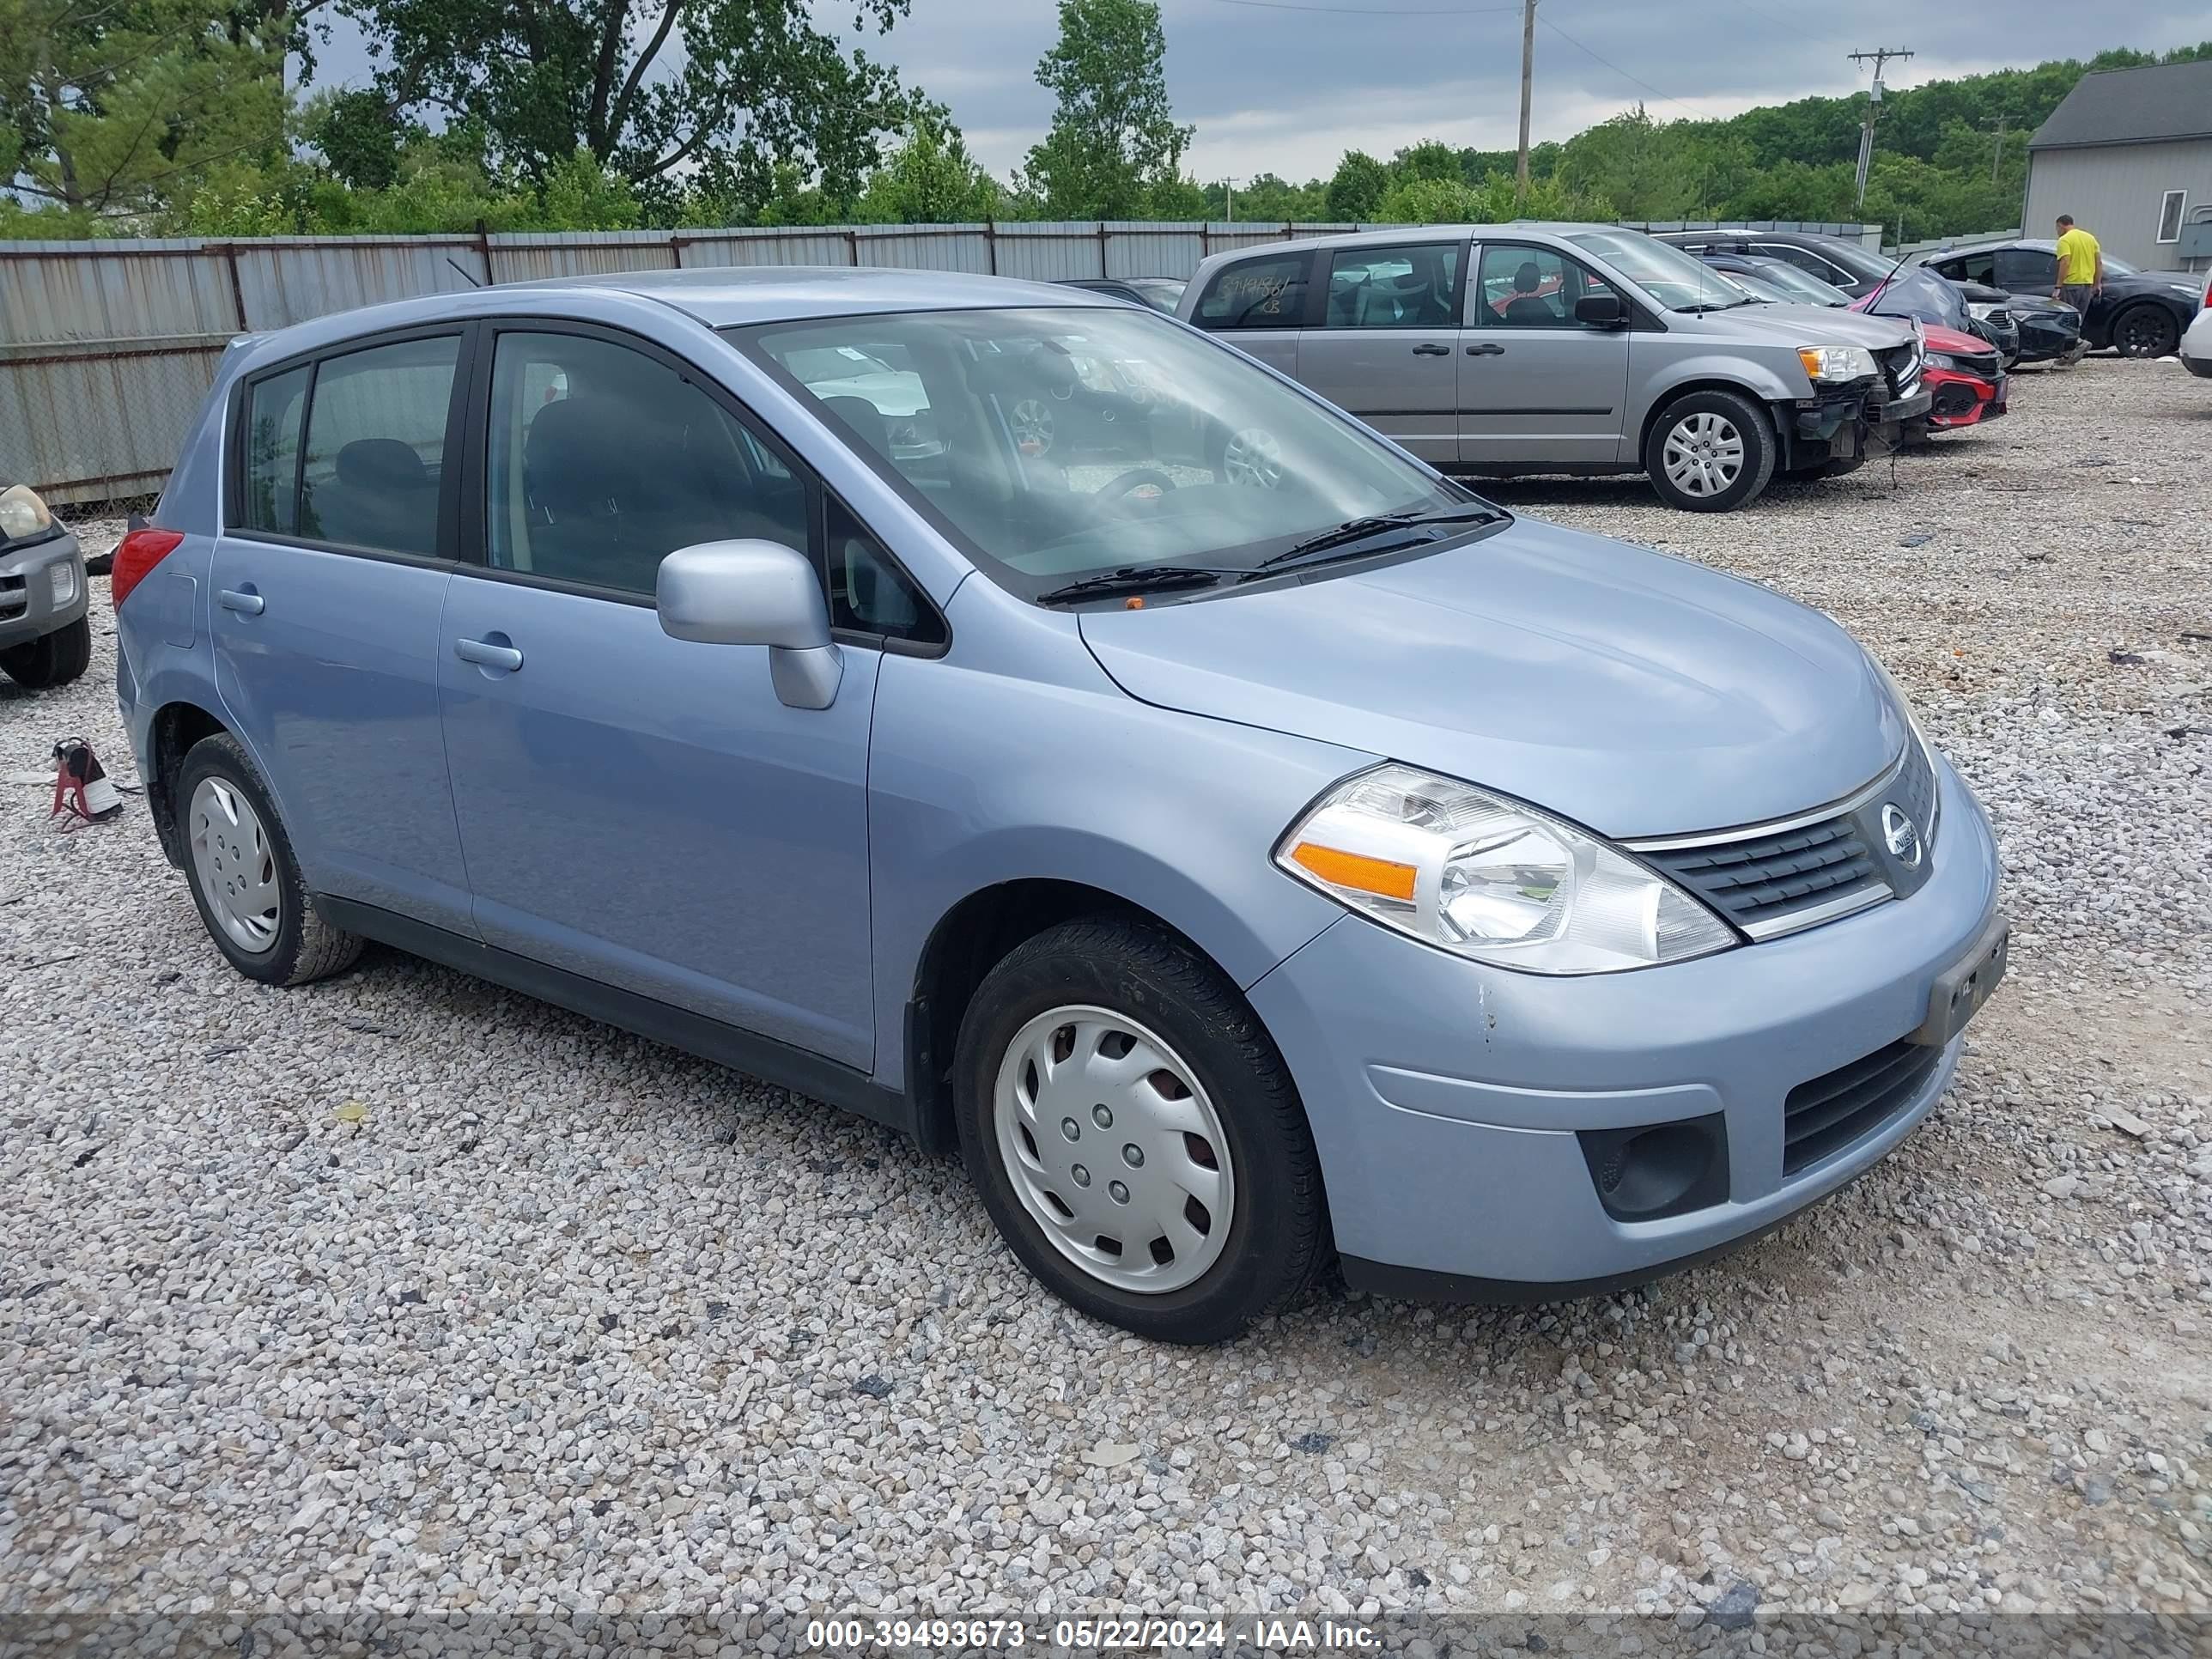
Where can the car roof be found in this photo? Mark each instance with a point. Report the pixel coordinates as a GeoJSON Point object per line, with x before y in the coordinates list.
{"type": "Point", "coordinates": [1402, 234]}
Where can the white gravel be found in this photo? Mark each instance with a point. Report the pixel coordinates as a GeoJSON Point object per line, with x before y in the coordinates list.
{"type": "Point", "coordinates": [567, 1321]}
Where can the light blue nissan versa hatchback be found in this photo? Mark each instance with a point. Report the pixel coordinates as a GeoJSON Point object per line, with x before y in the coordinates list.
{"type": "Point", "coordinates": [1017, 717]}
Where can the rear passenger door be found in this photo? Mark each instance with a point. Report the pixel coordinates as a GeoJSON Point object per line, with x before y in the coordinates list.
{"type": "Point", "coordinates": [1387, 343]}
{"type": "Point", "coordinates": [330, 574]}
{"type": "Point", "coordinates": [1535, 386]}
{"type": "Point", "coordinates": [641, 810]}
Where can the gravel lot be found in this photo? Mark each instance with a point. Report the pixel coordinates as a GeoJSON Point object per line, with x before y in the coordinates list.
{"type": "Point", "coordinates": [399, 1291]}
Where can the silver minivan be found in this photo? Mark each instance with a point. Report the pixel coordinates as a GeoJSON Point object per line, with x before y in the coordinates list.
{"type": "Point", "coordinates": [1493, 351]}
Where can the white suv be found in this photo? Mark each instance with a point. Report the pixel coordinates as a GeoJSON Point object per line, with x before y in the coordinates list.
{"type": "Point", "coordinates": [2197, 340]}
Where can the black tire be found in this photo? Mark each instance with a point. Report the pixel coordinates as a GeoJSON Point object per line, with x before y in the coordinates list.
{"type": "Point", "coordinates": [1278, 1239]}
{"type": "Point", "coordinates": [1760, 445]}
{"type": "Point", "coordinates": [304, 946]}
{"type": "Point", "coordinates": [52, 659]}
{"type": "Point", "coordinates": [2146, 330]}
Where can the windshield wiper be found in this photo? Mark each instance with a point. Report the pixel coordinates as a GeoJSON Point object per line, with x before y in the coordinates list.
{"type": "Point", "coordinates": [1136, 579]}
{"type": "Point", "coordinates": [1375, 523]}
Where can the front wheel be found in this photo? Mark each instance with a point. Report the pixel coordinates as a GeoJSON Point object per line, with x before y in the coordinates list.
{"type": "Point", "coordinates": [1135, 1134]}
{"type": "Point", "coordinates": [2146, 331]}
{"type": "Point", "coordinates": [1710, 451]}
{"type": "Point", "coordinates": [52, 659]}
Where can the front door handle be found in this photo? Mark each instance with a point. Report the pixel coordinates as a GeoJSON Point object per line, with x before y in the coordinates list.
{"type": "Point", "coordinates": [1429, 348]}
{"type": "Point", "coordinates": [1488, 348]}
{"type": "Point", "coordinates": [246, 601]}
{"type": "Point", "coordinates": [486, 654]}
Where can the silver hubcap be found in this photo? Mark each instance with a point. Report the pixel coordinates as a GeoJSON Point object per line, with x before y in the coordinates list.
{"type": "Point", "coordinates": [1114, 1148]}
{"type": "Point", "coordinates": [1254, 457]}
{"type": "Point", "coordinates": [1704, 454]}
{"type": "Point", "coordinates": [1032, 424]}
{"type": "Point", "coordinates": [236, 867]}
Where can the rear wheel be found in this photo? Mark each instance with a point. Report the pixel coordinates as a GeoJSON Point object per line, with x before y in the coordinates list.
{"type": "Point", "coordinates": [52, 659]}
{"type": "Point", "coordinates": [243, 875]}
{"type": "Point", "coordinates": [2146, 331]}
{"type": "Point", "coordinates": [1135, 1134]}
{"type": "Point", "coordinates": [1710, 451]}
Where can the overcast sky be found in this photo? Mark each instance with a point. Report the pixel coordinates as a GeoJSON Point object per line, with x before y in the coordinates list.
{"type": "Point", "coordinates": [1277, 86]}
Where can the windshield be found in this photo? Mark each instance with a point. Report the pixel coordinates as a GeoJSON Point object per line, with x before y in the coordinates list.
{"type": "Point", "coordinates": [1757, 288]}
{"type": "Point", "coordinates": [1058, 443]}
{"type": "Point", "coordinates": [1675, 279]}
{"type": "Point", "coordinates": [1799, 285]}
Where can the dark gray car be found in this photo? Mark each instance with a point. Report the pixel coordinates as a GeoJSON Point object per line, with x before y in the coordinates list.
{"type": "Point", "coordinates": [1491, 351]}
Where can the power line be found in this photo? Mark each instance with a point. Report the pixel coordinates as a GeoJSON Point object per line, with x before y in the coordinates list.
{"type": "Point", "coordinates": [1373, 11]}
{"type": "Point", "coordinates": [1663, 96]}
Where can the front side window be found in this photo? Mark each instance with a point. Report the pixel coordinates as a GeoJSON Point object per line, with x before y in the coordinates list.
{"type": "Point", "coordinates": [1415, 286]}
{"type": "Point", "coordinates": [1256, 293]}
{"type": "Point", "coordinates": [1537, 288]}
{"type": "Point", "coordinates": [376, 446]}
{"type": "Point", "coordinates": [602, 461]}
{"type": "Point", "coordinates": [276, 409]}
{"type": "Point", "coordinates": [2026, 269]}
{"type": "Point", "coordinates": [1669, 276]}
{"type": "Point", "coordinates": [1063, 442]}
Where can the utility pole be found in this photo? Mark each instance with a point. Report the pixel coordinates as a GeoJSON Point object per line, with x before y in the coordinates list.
{"type": "Point", "coordinates": [1880, 55]}
{"type": "Point", "coordinates": [1996, 153]}
{"type": "Point", "coordinates": [1528, 78]}
{"type": "Point", "coordinates": [1229, 189]}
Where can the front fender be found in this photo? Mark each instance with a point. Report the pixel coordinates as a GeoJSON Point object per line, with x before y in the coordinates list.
{"type": "Point", "coordinates": [1748, 372]}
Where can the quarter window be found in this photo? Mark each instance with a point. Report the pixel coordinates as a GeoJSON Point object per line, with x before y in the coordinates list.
{"type": "Point", "coordinates": [602, 461]}
{"type": "Point", "coordinates": [1256, 293]}
{"type": "Point", "coordinates": [1531, 288]}
{"type": "Point", "coordinates": [868, 592]}
{"type": "Point", "coordinates": [2169, 215]}
{"type": "Point", "coordinates": [1415, 286]}
{"type": "Point", "coordinates": [376, 446]}
{"type": "Point", "coordinates": [276, 409]}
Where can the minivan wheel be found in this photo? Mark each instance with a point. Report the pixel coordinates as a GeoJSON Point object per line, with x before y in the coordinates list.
{"type": "Point", "coordinates": [244, 877]}
{"type": "Point", "coordinates": [52, 659]}
{"type": "Point", "coordinates": [1710, 451]}
{"type": "Point", "coordinates": [1135, 1134]}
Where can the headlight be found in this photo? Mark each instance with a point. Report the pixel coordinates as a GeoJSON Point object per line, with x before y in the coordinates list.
{"type": "Point", "coordinates": [22, 514]}
{"type": "Point", "coordinates": [1482, 877]}
{"type": "Point", "coordinates": [1940, 360]}
{"type": "Point", "coordinates": [1836, 362]}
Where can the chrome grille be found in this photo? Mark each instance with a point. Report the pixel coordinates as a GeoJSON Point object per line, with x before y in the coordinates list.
{"type": "Point", "coordinates": [1775, 878]}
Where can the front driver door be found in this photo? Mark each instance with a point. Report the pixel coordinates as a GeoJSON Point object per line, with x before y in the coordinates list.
{"type": "Point", "coordinates": [639, 810]}
{"type": "Point", "coordinates": [1535, 385]}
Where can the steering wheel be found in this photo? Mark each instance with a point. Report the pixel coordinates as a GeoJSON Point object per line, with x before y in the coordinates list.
{"type": "Point", "coordinates": [1119, 489]}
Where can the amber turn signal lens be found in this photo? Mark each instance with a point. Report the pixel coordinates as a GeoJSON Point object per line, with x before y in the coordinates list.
{"type": "Point", "coordinates": [1383, 877]}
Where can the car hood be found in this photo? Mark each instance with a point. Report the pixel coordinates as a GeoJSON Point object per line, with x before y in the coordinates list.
{"type": "Point", "coordinates": [1824, 325]}
{"type": "Point", "coordinates": [1915, 293]}
{"type": "Point", "coordinates": [1630, 691]}
{"type": "Point", "coordinates": [1955, 341]}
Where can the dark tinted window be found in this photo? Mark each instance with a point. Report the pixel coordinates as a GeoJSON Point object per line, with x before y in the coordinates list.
{"type": "Point", "coordinates": [1256, 293]}
{"type": "Point", "coordinates": [2027, 268]}
{"type": "Point", "coordinates": [274, 411]}
{"type": "Point", "coordinates": [1973, 267]}
{"type": "Point", "coordinates": [376, 445]}
{"type": "Point", "coordinates": [1415, 286]}
{"type": "Point", "coordinates": [602, 461]}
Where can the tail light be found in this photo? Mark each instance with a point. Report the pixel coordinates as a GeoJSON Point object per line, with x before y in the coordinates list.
{"type": "Point", "coordinates": [141, 549]}
{"type": "Point", "coordinates": [2208, 294]}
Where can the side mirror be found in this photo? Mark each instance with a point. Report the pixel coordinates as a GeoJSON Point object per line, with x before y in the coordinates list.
{"type": "Point", "coordinates": [754, 593]}
{"type": "Point", "coordinates": [1601, 310]}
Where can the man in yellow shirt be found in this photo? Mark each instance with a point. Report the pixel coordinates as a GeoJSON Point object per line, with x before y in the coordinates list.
{"type": "Point", "coordinates": [2081, 266]}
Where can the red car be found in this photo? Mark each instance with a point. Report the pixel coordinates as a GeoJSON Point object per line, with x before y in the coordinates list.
{"type": "Point", "coordinates": [1967, 376]}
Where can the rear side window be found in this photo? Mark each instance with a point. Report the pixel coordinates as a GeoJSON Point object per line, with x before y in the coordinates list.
{"type": "Point", "coordinates": [2027, 268]}
{"type": "Point", "coordinates": [376, 446]}
{"type": "Point", "coordinates": [276, 409]}
{"type": "Point", "coordinates": [1256, 293]}
{"type": "Point", "coordinates": [1416, 286]}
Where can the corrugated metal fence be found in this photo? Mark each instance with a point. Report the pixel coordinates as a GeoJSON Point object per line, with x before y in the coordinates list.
{"type": "Point", "coordinates": [106, 348]}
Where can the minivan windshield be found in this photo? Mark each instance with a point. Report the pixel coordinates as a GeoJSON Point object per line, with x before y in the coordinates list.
{"type": "Point", "coordinates": [1675, 279]}
{"type": "Point", "coordinates": [1058, 444]}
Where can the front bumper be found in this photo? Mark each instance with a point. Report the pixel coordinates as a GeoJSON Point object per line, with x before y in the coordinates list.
{"type": "Point", "coordinates": [1963, 399]}
{"type": "Point", "coordinates": [27, 610]}
{"type": "Point", "coordinates": [1446, 1097]}
{"type": "Point", "coordinates": [2200, 367]}
{"type": "Point", "coordinates": [1849, 424]}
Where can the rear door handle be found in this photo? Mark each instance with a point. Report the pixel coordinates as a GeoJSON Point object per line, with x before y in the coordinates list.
{"type": "Point", "coordinates": [246, 601]}
{"type": "Point", "coordinates": [484, 653]}
{"type": "Point", "coordinates": [1429, 348]}
{"type": "Point", "coordinates": [1488, 348]}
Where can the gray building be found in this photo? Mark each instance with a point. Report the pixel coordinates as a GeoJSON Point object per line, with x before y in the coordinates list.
{"type": "Point", "coordinates": [2128, 154]}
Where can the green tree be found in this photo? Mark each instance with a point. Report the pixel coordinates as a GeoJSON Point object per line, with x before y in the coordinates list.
{"type": "Point", "coordinates": [110, 108]}
{"type": "Point", "coordinates": [1115, 149]}
{"type": "Point", "coordinates": [649, 87]}
{"type": "Point", "coordinates": [1355, 192]}
{"type": "Point", "coordinates": [929, 178]}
